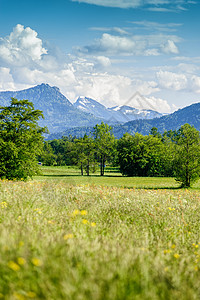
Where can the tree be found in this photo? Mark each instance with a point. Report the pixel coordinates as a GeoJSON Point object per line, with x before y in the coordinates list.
{"type": "Point", "coordinates": [47, 157]}
{"type": "Point", "coordinates": [83, 153]}
{"type": "Point", "coordinates": [140, 155]}
{"type": "Point", "coordinates": [132, 154]}
{"type": "Point", "coordinates": [21, 140]}
{"type": "Point", "coordinates": [187, 160]}
{"type": "Point", "coordinates": [105, 141]}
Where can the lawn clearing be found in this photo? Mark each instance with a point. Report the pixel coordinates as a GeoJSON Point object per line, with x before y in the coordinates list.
{"type": "Point", "coordinates": [86, 241]}
{"type": "Point", "coordinates": [112, 178]}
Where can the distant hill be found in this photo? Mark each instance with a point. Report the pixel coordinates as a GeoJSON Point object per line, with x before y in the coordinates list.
{"type": "Point", "coordinates": [58, 111]}
{"type": "Point", "coordinates": [189, 114]}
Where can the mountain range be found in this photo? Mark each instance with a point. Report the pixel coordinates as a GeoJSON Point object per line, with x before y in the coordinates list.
{"type": "Point", "coordinates": [189, 114]}
{"type": "Point", "coordinates": [60, 114]}
{"type": "Point", "coordinates": [64, 118]}
{"type": "Point", "coordinates": [114, 115]}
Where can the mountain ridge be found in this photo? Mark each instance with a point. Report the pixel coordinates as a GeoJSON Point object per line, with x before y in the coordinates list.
{"type": "Point", "coordinates": [189, 114]}
{"type": "Point", "coordinates": [60, 113]}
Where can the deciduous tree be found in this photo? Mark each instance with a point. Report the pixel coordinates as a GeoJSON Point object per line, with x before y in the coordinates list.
{"type": "Point", "coordinates": [187, 160]}
{"type": "Point", "coordinates": [21, 140]}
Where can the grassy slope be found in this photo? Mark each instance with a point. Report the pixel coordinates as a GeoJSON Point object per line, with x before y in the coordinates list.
{"type": "Point", "coordinates": [80, 241]}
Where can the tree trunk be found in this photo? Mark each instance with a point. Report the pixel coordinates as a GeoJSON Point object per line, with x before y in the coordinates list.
{"type": "Point", "coordinates": [88, 168]}
{"type": "Point", "coordinates": [81, 169]}
{"type": "Point", "coordinates": [101, 166]}
{"type": "Point", "coordinates": [104, 161]}
{"type": "Point", "coordinates": [187, 183]}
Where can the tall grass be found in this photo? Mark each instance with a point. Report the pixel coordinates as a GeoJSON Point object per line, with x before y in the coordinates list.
{"type": "Point", "coordinates": [68, 241]}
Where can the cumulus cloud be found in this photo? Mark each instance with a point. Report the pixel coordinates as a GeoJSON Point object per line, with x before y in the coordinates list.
{"type": "Point", "coordinates": [30, 63]}
{"type": "Point", "coordinates": [112, 44]}
{"type": "Point", "coordinates": [112, 90]}
{"type": "Point", "coordinates": [173, 81]}
{"type": "Point", "coordinates": [21, 46]}
{"type": "Point", "coordinates": [144, 45]}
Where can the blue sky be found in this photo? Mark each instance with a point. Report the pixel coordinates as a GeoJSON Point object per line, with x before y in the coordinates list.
{"type": "Point", "coordinates": [104, 49]}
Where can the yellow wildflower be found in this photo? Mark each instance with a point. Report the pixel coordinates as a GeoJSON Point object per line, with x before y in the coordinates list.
{"type": "Point", "coordinates": [36, 262]}
{"type": "Point", "coordinates": [167, 251]}
{"type": "Point", "coordinates": [75, 212]}
{"type": "Point", "coordinates": [93, 224]}
{"type": "Point", "coordinates": [84, 221]}
{"type": "Point", "coordinates": [51, 222]}
{"type": "Point", "coordinates": [31, 294]}
{"type": "Point", "coordinates": [83, 212]}
{"type": "Point", "coordinates": [68, 236]}
{"type": "Point", "coordinates": [21, 261]}
{"type": "Point", "coordinates": [13, 266]}
{"type": "Point", "coordinates": [21, 244]}
{"type": "Point", "coordinates": [173, 246]}
{"type": "Point", "coordinates": [18, 296]}
{"type": "Point", "coordinates": [4, 204]}
{"type": "Point", "coordinates": [176, 255]}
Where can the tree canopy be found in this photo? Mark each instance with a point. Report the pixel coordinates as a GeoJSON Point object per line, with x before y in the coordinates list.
{"type": "Point", "coordinates": [21, 139]}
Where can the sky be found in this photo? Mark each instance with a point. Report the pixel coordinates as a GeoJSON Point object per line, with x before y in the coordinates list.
{"type": "Point", "coordinates": [142, 53]}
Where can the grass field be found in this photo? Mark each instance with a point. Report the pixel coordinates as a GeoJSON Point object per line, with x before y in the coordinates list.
{"type": "Point", "coordinates": [72, 176]}
{"type": "Point", "coordinates": [63, 236]}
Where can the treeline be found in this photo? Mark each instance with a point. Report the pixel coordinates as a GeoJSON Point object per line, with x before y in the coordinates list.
{"type": "Point", "coordinates": [87, 153]}
{"type": "Point", "coordinates": [173, 153]}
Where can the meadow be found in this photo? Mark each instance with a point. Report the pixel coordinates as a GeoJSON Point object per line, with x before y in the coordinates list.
{"type": "Point", "coordinates": [63, 236]}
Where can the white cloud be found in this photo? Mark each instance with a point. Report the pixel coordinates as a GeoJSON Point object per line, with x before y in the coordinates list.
{"type": "Point", "coordinates": [6, 80]}
{"type": "Point", "coordinates": [159, 105]}
{"type": "Point", "coordinates": [155, 26]}
{"type": "Point", "coordinates": [112, 44]}
{"type": "Point", "coordinates": [169, 47]}
{"type": "Point", "coordinates": [22, 46]}
{"type": "Point", "coordinates": [173, 81]}
{"type": "Point", "coordinates": [30, 64]}
{"type": "Point", "coordinates": [113, 3]}
{"type": "Point", "coordinates": [144, 45]}
{"type": "Point", "coordinates": [117, 30]}
{"type": "Point", "coordinates": [103, 61]}
{"type": "Point", "coordinates": [195, 83]}
{"type": "Point", "coordinates": [156, 5]}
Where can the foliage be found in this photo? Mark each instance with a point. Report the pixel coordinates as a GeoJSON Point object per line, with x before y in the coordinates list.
{"type": "Point", "coordinates": [140, 155]}
{"type": "Point", "coordinates": [61, 241]}
{"type": "Point", "coordinates": [84, 154]}
{"type": "Point", "coordinates": [20, 139]}
{"type": "Point", "coordinates": [47, 157]}
{"type": "Point", "coordinates": [105, 142]}
{"type": "Point", "coordinates": [137, 155]}
{"type": "Point", "coordinates": [187, 159]}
